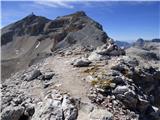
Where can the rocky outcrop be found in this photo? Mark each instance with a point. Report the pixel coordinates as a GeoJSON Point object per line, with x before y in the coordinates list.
{"type": "Point", "coordinates": [56, 106]}
{"type": "Point", "coordinates": [104, 52]}
{"type": "Point", "coordinates": [81, 62]}
{"type": "Point", "coordinates": [130, 84]}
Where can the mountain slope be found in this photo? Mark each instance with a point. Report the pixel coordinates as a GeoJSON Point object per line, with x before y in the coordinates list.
{"type": "Point", "coordinates": [34, 37]}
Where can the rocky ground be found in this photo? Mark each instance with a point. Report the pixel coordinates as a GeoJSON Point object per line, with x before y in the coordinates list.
{"type": "Point", "coordinates": [84, 85]}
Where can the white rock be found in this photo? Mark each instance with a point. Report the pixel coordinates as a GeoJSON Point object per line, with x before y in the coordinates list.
{"type": "Point", "coordinates": [120, 89]}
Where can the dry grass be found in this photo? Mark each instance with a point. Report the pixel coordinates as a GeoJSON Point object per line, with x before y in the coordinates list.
{"type": "Point", "coordinates": [104, 84]}
{"type": "Point", "coordinates": [93, 69]}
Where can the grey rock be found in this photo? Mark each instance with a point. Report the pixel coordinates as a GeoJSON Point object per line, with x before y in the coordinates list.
{"type": "Point", "coordinates": [130, 99]}
{"type": "Point", "coordinates": [86, 107]}
{"type": "Point", "coordinates": [17, 100]}
{"type": "Point", "coordinates": [70, 111]}
{"type": "Point", "coordinates": [101, 114]}
{"type": "Point", "coordinates": [34, 75]}
{"type": "Point", "coordinates": [119, 67]}
{"type": "Point", "coordinates": [118, 80]}
{"type": "Point", "coordinates": [48, 109]}
{"type": "Point", "coordinates": [97, 57]}
{"type": "Point", "coordinates": [154, 113]}
{"type": "Point", "coordinates": [89, 78]}
{"type": "Point", "coordinates": [120, 90]}
{"type": "Point", "coordinates": [142, 105]}
{"type": "Point", "coordinates": [56, 106]}
{"type": "Point", "coordinates": [126, 95]}
{"type": "Point", "coordinates": [29, 109]}
{"type": "Point", "coordinates": [12, 113]}
{"type": "Point", "coordinates": [112, 85]}
{"type": "Point", "coordinates": [68, 53]}
{"type": "Point", "coordinates": [48, 75]}
{"type": "Point", "coordinates": [81, 62]}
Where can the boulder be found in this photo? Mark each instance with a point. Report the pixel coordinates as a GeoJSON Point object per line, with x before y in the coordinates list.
{"type": "Point", "coordinates": [97, 57]}
{"type": "Point", "coordinates": [70, 111]}
{"type": "Point", "coordinates": [121, 90]}
{"type": "Point", "coordinates": [48, 110]}
{"type": "Point", "coordinates": [153, 113]}
{"type": "Point", "coordinates": [29, 109]}
{"type": "Point", "coordinates": [46, 76]}
{"type": "Point", "coordinates": [56, 106]}
{"type": "Point", "coordinates": [130, 99]}
{"type": "Point", "coordinates": [81, 62]}
{"type": "Point", "coordinates": [12, 113]}
{"type": "Point", "coordinates": [126, 95]}
{"type": "Point", "coordinates": [34, 75]}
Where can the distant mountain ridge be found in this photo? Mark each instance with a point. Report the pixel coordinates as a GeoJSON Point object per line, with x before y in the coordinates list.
{"type": "Point", "coordinates": [123, 44]}
{"type": "Point", "coordinates": [140, 42]}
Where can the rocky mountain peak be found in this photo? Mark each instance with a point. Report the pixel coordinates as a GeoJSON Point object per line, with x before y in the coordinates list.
{"type": "Point", "coordinates": [30, 16]}
{"type": "Point", "coordinates": [78, 13]}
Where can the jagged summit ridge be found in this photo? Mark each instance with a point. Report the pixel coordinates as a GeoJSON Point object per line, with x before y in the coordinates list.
{"type": "Point", "coordinates": [36, 25]}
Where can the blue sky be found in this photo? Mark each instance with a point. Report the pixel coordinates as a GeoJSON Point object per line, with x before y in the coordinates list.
{"type": "Point", "coordinates": [125, 21]}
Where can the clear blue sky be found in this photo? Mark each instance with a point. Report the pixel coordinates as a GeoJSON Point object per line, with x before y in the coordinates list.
{"type": "Point", "coordinates": [125, 21]}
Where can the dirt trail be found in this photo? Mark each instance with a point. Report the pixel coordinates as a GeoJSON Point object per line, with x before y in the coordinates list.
{"type": "Point", "coordinates": [69, 77]}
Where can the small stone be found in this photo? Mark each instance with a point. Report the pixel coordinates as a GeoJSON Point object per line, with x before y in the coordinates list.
{"type": "Point", "coordinates": [112, 85]}
{"type": "Point", "coordinates": [48, 76]}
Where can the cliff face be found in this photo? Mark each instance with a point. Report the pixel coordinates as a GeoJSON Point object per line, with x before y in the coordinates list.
{"type": "Point", "coordinates": [34, 35]}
